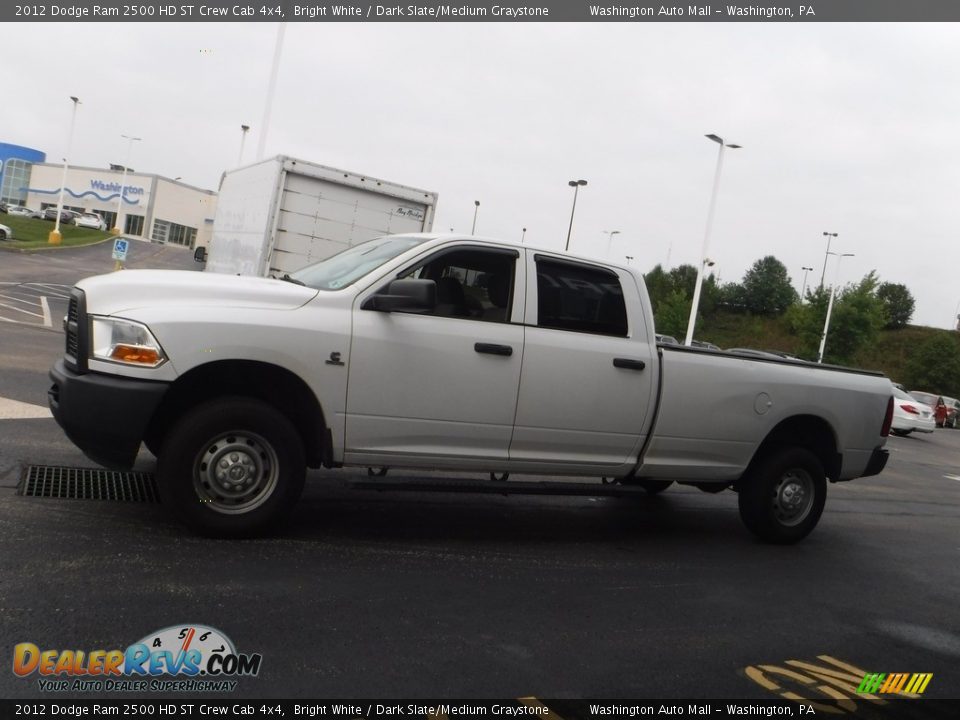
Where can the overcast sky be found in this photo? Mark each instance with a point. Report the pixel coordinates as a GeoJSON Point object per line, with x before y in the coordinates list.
{"type": "Point", "coordinates": [846, 128]}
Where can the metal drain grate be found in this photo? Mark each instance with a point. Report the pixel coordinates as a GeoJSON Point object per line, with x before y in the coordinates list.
{"type": "Point", "coordinates": [88, 484]}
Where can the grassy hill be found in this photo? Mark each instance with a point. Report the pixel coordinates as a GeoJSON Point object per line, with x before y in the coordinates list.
{"type": "Point", "coordinates": [888, 354]}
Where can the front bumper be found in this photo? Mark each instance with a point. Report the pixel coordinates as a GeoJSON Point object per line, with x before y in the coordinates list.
{"type": "Point", "coordinates": [106, 416]}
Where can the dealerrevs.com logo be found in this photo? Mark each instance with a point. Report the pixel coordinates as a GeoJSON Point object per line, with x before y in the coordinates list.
{"type": "Point", "coordinates": [179, 658]}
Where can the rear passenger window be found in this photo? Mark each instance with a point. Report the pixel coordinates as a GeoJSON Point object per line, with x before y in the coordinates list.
{"type": "Point", "coordinates": [580, 298]}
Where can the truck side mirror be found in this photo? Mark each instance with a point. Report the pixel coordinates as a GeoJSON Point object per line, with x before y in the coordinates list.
{"type": "Point", "coordinates": [404, 296]}
{"type": "Point", "coordinates": [200, 254]}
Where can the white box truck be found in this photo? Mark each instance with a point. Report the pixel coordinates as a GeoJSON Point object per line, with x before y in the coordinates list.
{"type": "Point", "coordinates": [281, 214]}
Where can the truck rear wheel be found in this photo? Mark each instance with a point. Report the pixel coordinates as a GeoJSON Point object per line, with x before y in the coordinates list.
{"type": "Point", "coordinates": [781, 497]}
{"type": "Point", "coordinates": [232, 467]}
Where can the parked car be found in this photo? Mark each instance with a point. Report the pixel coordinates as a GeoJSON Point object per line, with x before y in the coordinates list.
{"type": "Point", "coordinates": [953, 410]}
{"type": "Point", "coordinates": [753, 353]}
{"type": "Point", "coordinates": [910, 415]}
{"type": "Point", "coordinates": [66, 216]}
{"type": "Point", "coordinates": [19, 210]}
{"type": "Point", "coordinates": [5, 233]}
{"type": "Point", "coordinates": [703, 344]}
{"type": "Point", "coordinates": [934, 401]}
{"type": "Point", "coordinates": [90, 220]}
{"type": "Point", "coordinates": [666, 339]}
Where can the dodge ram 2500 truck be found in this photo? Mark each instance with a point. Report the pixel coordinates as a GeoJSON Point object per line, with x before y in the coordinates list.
{"type": "Point", "coordinates": [442, 352]}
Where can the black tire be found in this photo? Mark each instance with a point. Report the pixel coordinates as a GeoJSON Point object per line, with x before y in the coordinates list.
{"type": "Point", "coordinates": [782, 495]}
{"type": "Point", "coordinates": [3, 234]}
{"type": "Point", "coordinates": [231, 467]}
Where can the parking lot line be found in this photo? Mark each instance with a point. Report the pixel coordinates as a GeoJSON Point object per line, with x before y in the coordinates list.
{"type": "Point", "coordinates": [16, 410]}
{"type": "Point", "coordinates": [46, 311]}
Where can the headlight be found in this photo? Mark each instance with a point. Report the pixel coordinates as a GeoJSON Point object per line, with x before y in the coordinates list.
{"type": "Point", "coordinates": [124, 341]}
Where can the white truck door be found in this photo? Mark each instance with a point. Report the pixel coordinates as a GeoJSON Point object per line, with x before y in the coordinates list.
{"type": "Point", "coordinates": [444, 384]}
{"type": "Point", "coordinates": [588, 373]}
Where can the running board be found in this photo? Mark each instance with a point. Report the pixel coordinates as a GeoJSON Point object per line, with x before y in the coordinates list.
{"type": "Point", "coordinates": [500, 487]}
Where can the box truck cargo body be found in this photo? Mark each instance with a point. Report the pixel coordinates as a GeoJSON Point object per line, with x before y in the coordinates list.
{"type": "Point", "coordinates": [280, 214]}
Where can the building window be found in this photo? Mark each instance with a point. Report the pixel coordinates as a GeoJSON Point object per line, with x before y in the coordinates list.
{"type": "Point", "coordinates": [16, 179]}
{"type": "Point", "coordinates": [165, 231]}
{"type": "Point", "coordinates": [133, 225]}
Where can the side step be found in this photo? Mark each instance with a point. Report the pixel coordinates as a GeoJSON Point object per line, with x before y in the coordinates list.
{"type": "Point", "coordinates": [500, 487]}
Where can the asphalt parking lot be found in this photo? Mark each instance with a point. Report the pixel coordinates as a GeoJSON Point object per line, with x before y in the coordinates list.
{"type": "Point", "coordinates": [390, 594]}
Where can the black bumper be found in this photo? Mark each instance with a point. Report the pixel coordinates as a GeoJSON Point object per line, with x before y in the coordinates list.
{"type": "Point", "coordinates": [106, 416]}
{"type": "Point", "coordinates": [878, 461]}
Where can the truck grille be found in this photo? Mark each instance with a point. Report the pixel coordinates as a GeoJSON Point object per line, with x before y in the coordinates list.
{"type": "Point", "coordinates": [75, 331]}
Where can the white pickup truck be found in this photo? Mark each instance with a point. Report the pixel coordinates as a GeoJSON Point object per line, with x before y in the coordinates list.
{"type": "Point", "coordinates": [442, 352]}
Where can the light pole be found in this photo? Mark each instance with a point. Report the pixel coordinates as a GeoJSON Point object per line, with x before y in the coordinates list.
{"type": "Point", "coordinates": [54, 238]}
{"type": "Point", "coordinates": [116, 223]}
{"type": "Point", "coordinates": [833, 290]}
{"type": "Point", "coordinates": [476, 209]}
{"type": "Point", "coordinates": [803, 288]}
{"type": "Point", "coordinates": [271, 87]}
{"type": "Point", "coordinates": [706, 235]}
{"type": "Point", "coordinates": [610, 234]}
{"type": "Point", "coordinates": [829, 237]}
{"type": "Point", "coordinates": [523, 236]}
{"type": "Point", "coordinates": [629, 258]}
{"type": "Point", "coordinates": [575, 184]}
{"type": "Point", "coordinates": [243, 141]}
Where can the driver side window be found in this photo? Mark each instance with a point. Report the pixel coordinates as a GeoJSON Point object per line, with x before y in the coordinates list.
{"type": "Point", "coordinates": [471, 283]}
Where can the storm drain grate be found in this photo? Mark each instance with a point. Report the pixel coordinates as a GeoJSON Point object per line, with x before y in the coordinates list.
{"type": "Point", "coordinates": [88, 484]}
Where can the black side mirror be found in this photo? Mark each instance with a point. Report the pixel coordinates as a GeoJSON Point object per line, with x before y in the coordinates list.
{"type": "Point", "coordinates": [200, 254]}
{"type": "Point", "coordinates": [404, 296]}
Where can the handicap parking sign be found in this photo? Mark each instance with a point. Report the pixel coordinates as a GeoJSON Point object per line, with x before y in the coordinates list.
{"type": "Point", "coordinates": [120, 247]}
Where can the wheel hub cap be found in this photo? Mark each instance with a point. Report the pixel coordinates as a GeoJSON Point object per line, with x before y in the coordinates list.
{"type": "Point", "coordinates": [236, 472]}
{"type": "Point", "coordinates": [793, 497]}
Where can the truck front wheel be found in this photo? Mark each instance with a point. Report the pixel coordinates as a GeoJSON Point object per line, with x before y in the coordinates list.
{"type": "Point", "coordinates": [782, 495]}
{"type": "Point", "coordinates": [231, 467]}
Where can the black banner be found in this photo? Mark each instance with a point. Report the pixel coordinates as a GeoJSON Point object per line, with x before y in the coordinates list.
{"type": "Point", "coordinates": [474, 11]}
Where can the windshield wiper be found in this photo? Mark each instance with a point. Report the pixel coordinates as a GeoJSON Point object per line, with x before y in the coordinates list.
{"type": "Point", "coordinates": [287, 278]}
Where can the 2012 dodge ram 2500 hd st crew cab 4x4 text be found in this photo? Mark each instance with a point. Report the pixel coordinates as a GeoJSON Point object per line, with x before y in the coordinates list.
{"type": "Point", "coordinates": [456, 353]}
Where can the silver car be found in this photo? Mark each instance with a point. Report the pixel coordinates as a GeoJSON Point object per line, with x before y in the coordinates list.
{"type": "Point", "coordinates": [5, 233]}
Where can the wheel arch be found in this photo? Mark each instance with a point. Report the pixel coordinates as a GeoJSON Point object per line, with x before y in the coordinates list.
{"type": "Point", "coordinates": [272, 384]}
{"type": "Point", "coordinates": [807, 431]}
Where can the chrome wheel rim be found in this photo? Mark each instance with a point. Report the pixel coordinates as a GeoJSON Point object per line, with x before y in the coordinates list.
{"type": "Point", "coordinates": [793, 497]}
{"type": "Point", "coordinates": [236, 473]}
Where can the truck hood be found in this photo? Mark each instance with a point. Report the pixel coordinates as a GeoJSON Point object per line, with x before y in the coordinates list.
{"type": "Point", "coordinates": [127, 290]}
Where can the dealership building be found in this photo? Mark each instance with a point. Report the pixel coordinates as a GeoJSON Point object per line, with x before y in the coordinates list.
{"type": "Point", "coordinates": [151, 207]}
{"type": "Point", "coordinates": [15, 164]}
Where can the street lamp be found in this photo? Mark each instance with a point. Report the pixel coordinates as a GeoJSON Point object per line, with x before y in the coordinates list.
{"type": "Point", "coordinates": [829, 237]}
{"type": "Point", "coordinates": [271, 87]}
{"type": "Point", "coordinates": [629, 258]}
{"type": "Point", "coordinates": [123, 179]}
{"type": "Point", "coordinates": [833, 290]}
{"type": "Point", "coordinates": [803, 288]}
{"type": "Point", "coordinates": [523, 236]}
{"type": "Point", "coordinates": [610, 234]}
{"type": "Point", "coordinates": [706, 235]}
{"type": "Point", "coordinates": [55, 237]}
{"type": "Point", "coordinates": [476, 209]}
{"type": "Point", "coordinates": [575, 184]}
{"type": "Point", "coordinates": [243, 140]}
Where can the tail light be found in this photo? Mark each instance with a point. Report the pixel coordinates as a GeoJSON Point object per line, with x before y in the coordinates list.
{"type": "Point", "coordinates": [888, 419]}
{"type": "Point", "coordinates": [910, 409]}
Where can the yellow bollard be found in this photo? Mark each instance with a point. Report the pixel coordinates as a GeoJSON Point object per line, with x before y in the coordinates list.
{"type": "Point", "coordinates": [54, 237]}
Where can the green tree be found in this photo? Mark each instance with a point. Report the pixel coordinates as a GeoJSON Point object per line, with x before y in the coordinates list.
{"type": "Point", "coordinates": [673, 314]}
{"type": "Point", "coordinates": [935, 365]}
{"type": "Point", "coordinates": [897, 302]}
{"type": "Point", "coordinates": [767, 287]}
{"type": "Point", "coordinates": [659, 287]}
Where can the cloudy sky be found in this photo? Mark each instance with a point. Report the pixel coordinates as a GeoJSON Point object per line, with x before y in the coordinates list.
{"type": "Point", "coordinates": [846, 128]}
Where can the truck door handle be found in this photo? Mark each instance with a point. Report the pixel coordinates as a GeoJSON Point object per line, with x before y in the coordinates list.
{"type": "Point", "coordinates": [492, 349]}
{"type": "Point", "coordinates": [629, 364]}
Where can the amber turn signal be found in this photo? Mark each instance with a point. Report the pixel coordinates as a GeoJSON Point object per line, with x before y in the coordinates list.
{"type": "Point", "coordinates": [137, 354]}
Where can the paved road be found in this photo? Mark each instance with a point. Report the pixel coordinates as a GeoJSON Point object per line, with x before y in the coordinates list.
{"type": "Point", "coordinates": [381, 594]}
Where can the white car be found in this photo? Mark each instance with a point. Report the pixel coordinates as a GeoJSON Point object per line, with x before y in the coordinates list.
{"type": "Point", "coordinates": [19, 210]}
{"type": "Point", "coordinates": [910, 415]}
{"type": "Point", "coordinates": [6, 233]}
{"type": "Point", "coordinates": [90, 220]}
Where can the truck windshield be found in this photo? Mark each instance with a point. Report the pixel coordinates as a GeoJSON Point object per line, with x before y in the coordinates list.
{"type": "Point", "coordinates": [353, 263]}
